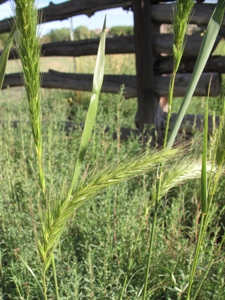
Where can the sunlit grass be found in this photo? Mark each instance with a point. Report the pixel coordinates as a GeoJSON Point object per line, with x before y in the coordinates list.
{"type": "Point", "coordinates": [99, 250]}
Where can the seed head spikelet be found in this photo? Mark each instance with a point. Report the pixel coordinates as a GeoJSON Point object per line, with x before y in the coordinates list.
{"type": "Point", "coordinates": [29, 54]}
{"type": "Point", "coordinates": [62, 210]}
{"type": "Point", "coordinates": [181, 16]}
{"type": "Point", "coordinates": [181, 171]}
{"type": "Point", "coordinates": [95, 183]}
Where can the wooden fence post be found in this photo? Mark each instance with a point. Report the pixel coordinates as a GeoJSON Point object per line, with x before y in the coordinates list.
{"type": "Point", "coordinates": [143, 33]}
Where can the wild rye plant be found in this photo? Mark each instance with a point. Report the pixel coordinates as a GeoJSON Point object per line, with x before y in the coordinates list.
{"type": "Point", "coordinates": [54, 215]}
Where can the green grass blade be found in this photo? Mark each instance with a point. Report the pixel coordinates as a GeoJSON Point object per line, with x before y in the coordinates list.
{"type": "Point", "coordinates": [205, 50]}
{"type": "Point", "coordinates": [92, 111]}
{"type": "Point", "coordinates": [204, 193]}
{"type": "Point", "coordinates": [203, 279]}
{"type": "Point", "coordinates": [32, 273]}
{"type": "Point", "coordinates": [219, 155]}
{"type": "Point", "coordinates": [5, 55]}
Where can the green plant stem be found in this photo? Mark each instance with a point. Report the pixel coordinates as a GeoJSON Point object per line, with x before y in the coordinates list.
{"type": "Point", "coordinates": [196, 255]}
{"type": "Point", "coordinates": [130, 261]}
{"type": "Point", "coordinates": [41, 171]}
{"type": "Point", "coordinates": [205, 204]}
{"type": "Point", "coordinates": [44, 285]}
{"type": "Point", "coordinates": [152, 235]}
{"type": "Point", "coordinates": [204, 199]}
{"type": "Point", "coordinates": [181, 16]}
{"type": "Point", "coordinates": [203, 279]}
{"type": "Point", "coordinates": [55, 277]}
{"type": "Point", "coordinates": [202, 230]}
{"type": "Point", "coordinates": [170, 101]}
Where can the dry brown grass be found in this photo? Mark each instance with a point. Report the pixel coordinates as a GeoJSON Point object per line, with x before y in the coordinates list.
{"type": "Point", "coordinates": [115, 64]}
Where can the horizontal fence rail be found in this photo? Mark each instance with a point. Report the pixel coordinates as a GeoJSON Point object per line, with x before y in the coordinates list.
{"type": "Point", "coordinates": [65, 10]}
{"type": "Point", "coordinates": [164, 65]}
{"type": "Point", "coordinates": [160, 13]}
{"type": "Point", "coordinates": [113, 83]}
{"type": "Point", "coordinates": [162, 43]}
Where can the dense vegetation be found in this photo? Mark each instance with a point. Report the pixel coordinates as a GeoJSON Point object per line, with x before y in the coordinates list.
{"type": "Point", "coordinates": [106, 240]}
{"type": "Point", "coordinates": [107, 237]}
{"type": "Point", "coordinates": [103, 250]}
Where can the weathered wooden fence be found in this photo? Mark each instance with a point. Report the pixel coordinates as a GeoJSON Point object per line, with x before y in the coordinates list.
{"type": "Point", "coordinates": [147, 44]}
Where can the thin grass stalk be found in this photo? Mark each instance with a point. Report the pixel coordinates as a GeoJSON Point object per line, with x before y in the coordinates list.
{"type": "Point", "coordinates": [196, 256]}
{"type": "Point", "coordinates": [32, 273]}
{"type": "Point", "coordinates": [44, 283]}
{"type": "Point", "coordinates": [5, 55]}
{"type": "Point", "coordinates": [152, 235]}
{"type": "Point", "coordinates": [55, 277]}
{"type": "Point", "coordinates": [29, 53]}
{"type": "Point", "coordinates": [181, 15]}
{"type": "Point", "coordinates": [205, 50]}
{"type": "Point", "coordinates": [205, 224]}
{"type": "Point", "coordinates": [170, 102]}
{"type": "Point", "coordinates": [183, 170]}
{"type": "Point", "coordinates": [207, 270]}
{"type": "Point", "coordinates": [204, 185]}
{"type": "Point", "coordinates": [203, 279]}
{"type": "Point", "coordinates": [205, 206]}
{"type": "Point", "coordinates": [219, 158]}
{"type": "Point", "coordinates": [131, 253]}
{"type": "Point", "coordinates": [219, 153]}
{"type": "Point", "coordinates": [204, 197]}
{"type": "Point", "coordinates": [202, 230]}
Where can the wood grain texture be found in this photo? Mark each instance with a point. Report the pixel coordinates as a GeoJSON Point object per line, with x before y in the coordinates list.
{"type": "Point", "coordinates": [160, 13]}
{"type": "Point", "coordinates": [113, 83]}
{"type": "Point", "coordinates": [162, 43]}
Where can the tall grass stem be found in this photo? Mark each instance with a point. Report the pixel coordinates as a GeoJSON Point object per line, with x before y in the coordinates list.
{"type": "Point", "coordinates": [181, 14]}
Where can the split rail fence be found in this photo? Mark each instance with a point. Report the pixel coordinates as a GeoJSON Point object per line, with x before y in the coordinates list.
{"type": "Point", "coordinates": [147, 43]}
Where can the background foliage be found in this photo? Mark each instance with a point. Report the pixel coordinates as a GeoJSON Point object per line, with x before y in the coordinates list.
{"type": "Point", "coordinates": [80, 33]}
